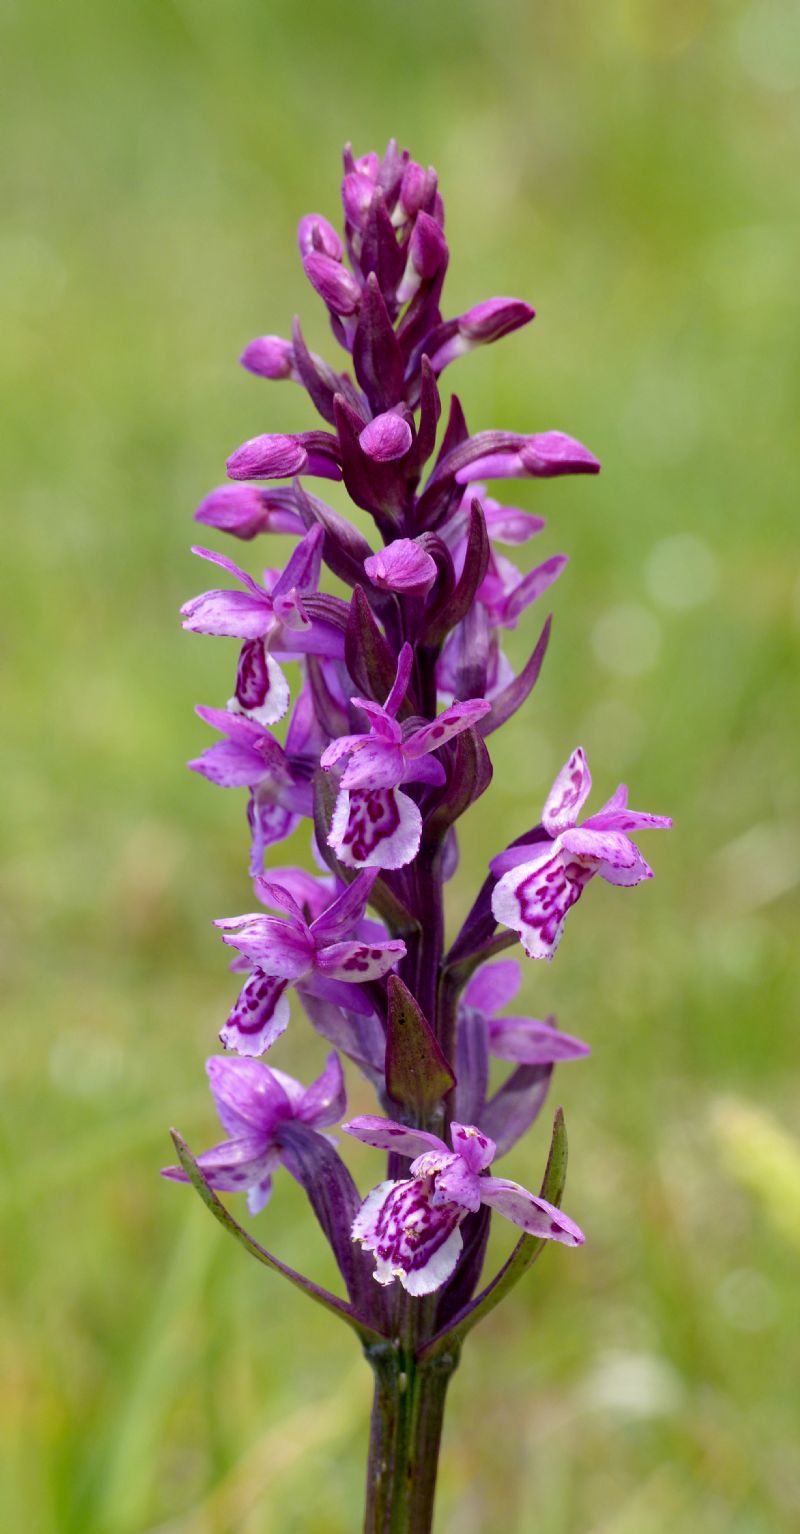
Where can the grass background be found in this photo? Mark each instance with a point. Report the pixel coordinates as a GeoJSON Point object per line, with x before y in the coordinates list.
{"type": "Point", "coordinates": [628, 167]}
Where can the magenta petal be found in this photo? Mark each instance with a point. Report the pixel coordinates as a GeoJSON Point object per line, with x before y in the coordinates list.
{"type": "Point", "coordinates": [340, 916]}
{"type": "Point", "coordinates": [568, 794]}
{"type": "Point", "coordinates": [533, 1215]}
{"type": "Point", "coordinates": [230, 765]}
{"type": "Point", "coordinates": [277, 947]}
{"type": "Point", "coordinates": [231, 614]}
{"type": "Point", "coordinates": [493, 986]}
{"type": "Point", "coordinates": [460, 716]}
{"type": "Point", "coordinates": [386, 437]}
{"type": "Point", "coordinates": [324, 1102]}
{"type": "Point", "coordinates": [532, 586]}
{"type": "Point", "coordinates": [247, 1095]}
{"type": "Point", "coordinates": [473, 1146]}
{"type": "Point", "coordinates": [385, 1134]}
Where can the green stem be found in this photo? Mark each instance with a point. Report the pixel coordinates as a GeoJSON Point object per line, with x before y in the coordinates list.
{"type": "Point", "coordinates": [405, 1433]}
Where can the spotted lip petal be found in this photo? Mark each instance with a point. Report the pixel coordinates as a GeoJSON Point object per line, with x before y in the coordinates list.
{"type": "Point", "coordinates": [375, 828]}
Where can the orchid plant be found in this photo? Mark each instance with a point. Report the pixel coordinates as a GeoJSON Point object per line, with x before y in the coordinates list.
{"type": "Point", "coordinates": [400, 683]}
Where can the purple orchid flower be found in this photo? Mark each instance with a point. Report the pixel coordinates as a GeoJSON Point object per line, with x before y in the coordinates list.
{"type": "Point", "coordinates": [374, 825]}
{"type": "Point", "coordinates": [412, 1225]}
{"type": "Point", "coordinates": [319, 958]}
{"type": "Point", "coordinates": [538, 886]}
{"type": "Point", "coordinates": [269, 618]}
{"type": "Point", "coordinates": [254, 1101]}
{"type": "Point", "coordinates": [249, 758]}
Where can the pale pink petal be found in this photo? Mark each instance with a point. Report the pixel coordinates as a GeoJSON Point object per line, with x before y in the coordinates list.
{"type": "Point", "coordinates": [634, 873]}
{"type": "Point", "coordinates": [374, 764]}
{"type": "Point", "coordinates": [386, 1134]}
{"type": "Point", "coordinates": [232, 1166]}
{"type": "Point", "coordinates": [342, 914]}
{"type": "Point", "coordinates": [275, 946]}
{"type": "Point", "coordinates": [533, 1215]}
{"type": "Point", "coordinates": [358, 962]}
{"type": "Point", "coordinates": [230, 765]}
{"type": "Point", "coordinates": [568, 794]}
{"type": "Point", "coordinates": [493, 986]}
{"type": "Point", "coordinates": [339, 748]}
{"type": "Point", "coordinates": [527, 1041]}
{"type": "Point", "coordinates": [508, 524]}
{"type": "Point", "coordinates": [460, 716]}
{"type": "Point", "coordinates": [235, 614]}
{"type": "Point", "coordinates": [598, 847]}
{"type": "Point", "coordinates": [259, 1016]}
{"type": "Point", "coordinates": [375, 828]}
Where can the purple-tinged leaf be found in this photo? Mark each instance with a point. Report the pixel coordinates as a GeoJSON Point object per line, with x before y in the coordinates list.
{"type": "Point", "coordinates": [379, 488]}
{"type": "Point", "coordinates": [377, 358]}
{"type": "Point", "coordinates": [515, 694]}
{"type": "Point", "coordinates": [430, 409]}
{"type": "Point", "coordinates": [327, 708]}
{"type": "Point", "coordinates": [319, 381]}
{"type": "Point", "coordinates": [472, 1066]}
{"type": "Point", "coordinates": [476, 560]}
{"type": "Point", "coordinates": [344, 549]}
{"type": "Point", "coordinates": [417, 1074]}
{"type": "Point", "coordinates": [380, 252]}
{"type": "Point", "coordinates": [369, 658]}
{"type": "Point", "coordinates": [362, 1324]}
{"type": "Point", "coordinates": [469, 776]}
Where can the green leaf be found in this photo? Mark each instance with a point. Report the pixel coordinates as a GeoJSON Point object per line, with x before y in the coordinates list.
{"type": "Point", "coordinates": [417, 1072]}
{"type": "Point", "coordinates": [323, 1297]}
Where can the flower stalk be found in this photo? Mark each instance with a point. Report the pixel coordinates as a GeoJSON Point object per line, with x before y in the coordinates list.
{"type": "Point", "coordinates": [391, 694]}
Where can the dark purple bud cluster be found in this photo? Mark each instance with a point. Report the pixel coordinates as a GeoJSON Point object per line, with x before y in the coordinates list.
{"type": "Point", "coordinates": [393, 695]}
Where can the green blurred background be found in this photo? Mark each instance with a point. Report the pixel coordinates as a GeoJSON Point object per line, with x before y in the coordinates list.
{"type": "Point", "coordinates": [631, 168]}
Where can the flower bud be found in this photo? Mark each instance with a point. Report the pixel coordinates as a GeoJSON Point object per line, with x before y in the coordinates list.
{"type": "Point", "coordinates": [314, 233]}
{"type": "Point", "coordinates": [271, 456]}
{"type": "Point", "coordinates": [269, 357]}
{"type": "Point", "coordinates": [427, 253]}
{"type": "Point", "coordinates": [402, 566]}
{"type": "Point", "coordinates": [386, 437]}
{"type": "Point", "coordinates": [336, 286]}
